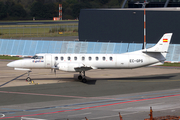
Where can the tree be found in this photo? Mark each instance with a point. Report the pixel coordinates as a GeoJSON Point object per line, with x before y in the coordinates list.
{"type": "Point", "coordinates": [43, 10]}
{"type": "Point", "coordinates": [77, 7]}
{"type": "Point", "coordinates": [103, 1]}
{"type": "Point", "coordinates": [36, 9]}
{"type": "Point", "coordinates": [113, 3]}
{"type": "Point", "coordinates": [9, 5]}
{"type": "Point", "coordinates": [2, 10]}
{"type": "Point", "coordinates": [17, 10]}
{"type": "Point", "coordinates": [48, 10]}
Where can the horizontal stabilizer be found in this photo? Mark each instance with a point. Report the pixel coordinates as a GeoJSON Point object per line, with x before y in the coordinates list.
{"type": "Point", "coordinates": [148, 51]}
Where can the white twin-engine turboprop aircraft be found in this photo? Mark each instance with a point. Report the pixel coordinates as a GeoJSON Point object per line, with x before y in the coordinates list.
{"type": "Point", "coordinates": [84, 62]}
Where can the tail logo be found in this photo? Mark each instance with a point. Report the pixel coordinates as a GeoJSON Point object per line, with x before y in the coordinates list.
{"type": "Point", "coordinates": [165, 40]}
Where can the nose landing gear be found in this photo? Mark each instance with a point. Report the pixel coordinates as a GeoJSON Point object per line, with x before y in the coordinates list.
{"type": "Point", "coordinates": [28, 79]}
{"type": "Point", "coordinates": [82, 77]}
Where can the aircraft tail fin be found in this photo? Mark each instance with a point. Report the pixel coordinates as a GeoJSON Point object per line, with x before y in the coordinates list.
{"type": "Point", "coordinates": [162, 46]}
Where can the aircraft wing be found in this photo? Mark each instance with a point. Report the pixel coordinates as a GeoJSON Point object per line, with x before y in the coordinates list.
{"type": "Point", "coordinates": [71, 66]}
{"type": "Point", "coordinates": [83, 67]}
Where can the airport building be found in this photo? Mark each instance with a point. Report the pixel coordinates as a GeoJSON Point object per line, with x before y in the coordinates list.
{"type": "Point", "coordinates": [127, 25]}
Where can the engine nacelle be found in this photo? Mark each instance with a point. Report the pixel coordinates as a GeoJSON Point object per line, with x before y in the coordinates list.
{"type": "Point", "coordinates": [69, 67]}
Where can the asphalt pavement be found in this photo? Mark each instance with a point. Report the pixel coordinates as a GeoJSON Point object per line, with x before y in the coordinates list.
{"type": "Point", "coordinates": [107, 92]}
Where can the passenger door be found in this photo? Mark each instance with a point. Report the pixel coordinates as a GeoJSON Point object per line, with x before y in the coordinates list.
{"type": "Point", "coordinates": [48, 62]}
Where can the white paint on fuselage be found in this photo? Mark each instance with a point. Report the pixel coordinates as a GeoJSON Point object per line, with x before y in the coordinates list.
{"type": "Point", "coordinates": [112, 61]}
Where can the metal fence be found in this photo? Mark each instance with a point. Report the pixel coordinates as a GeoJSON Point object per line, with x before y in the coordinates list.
{"type": "Point", "coordinates": [30, 47]}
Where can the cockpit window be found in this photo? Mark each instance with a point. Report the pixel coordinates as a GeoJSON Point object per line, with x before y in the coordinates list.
{"type": "Point", "coordinates": [40, 57]}
{"type": "Point", "coordinates": [34, 57]}
{"type": "Point", "coordinates": [37, 57]}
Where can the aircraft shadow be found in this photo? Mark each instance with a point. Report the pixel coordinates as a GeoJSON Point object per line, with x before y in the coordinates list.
{"type": "Point", "coordinates": [146, 77]}
{"type": "Point", "coordinates": [159, 77]}
{"type": "Point", "coordinates": [92, 81]}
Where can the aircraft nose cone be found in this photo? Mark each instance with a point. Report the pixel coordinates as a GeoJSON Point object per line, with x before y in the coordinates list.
{"type": "Point", "coordinates": [11, 64]}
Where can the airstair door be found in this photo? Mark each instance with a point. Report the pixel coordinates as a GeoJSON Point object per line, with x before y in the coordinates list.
{"type": "Point", "coordinates": [48, 62]}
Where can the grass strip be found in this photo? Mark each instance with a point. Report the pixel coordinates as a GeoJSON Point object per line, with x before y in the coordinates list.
{"type": "Point", "coordinates": [171, 64]}
{"type": "Point", "coordinates": [19, 31]}
{"type": "Point", "coordinates": [9, 57]}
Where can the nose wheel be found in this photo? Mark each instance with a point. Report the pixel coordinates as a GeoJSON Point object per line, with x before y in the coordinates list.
{"type": "Point", "coordinates": [28, 79]}
{"type": "Point", "coordinates": [82, 77]}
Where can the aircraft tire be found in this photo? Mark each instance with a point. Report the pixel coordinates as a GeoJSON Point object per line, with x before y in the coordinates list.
{"type": "Point", "coordinates": [28, 79]}
{"type": "Point", "coordinates": [84, 80]}
{"type": "Point", "coordinates": [79, 77]}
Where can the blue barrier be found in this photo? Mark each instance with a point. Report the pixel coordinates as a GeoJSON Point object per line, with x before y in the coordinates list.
{"type": "Point", "coordinates": [30, 47]}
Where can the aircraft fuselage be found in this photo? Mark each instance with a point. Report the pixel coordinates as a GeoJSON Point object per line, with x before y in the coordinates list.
{"type": "Point", "coordinates": [67, 62]}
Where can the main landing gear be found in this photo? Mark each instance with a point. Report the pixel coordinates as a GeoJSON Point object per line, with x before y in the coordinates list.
{"type": "Point", "coordinates": [28, 79]}
{"type": "Point", "coordinates": [82, 77]}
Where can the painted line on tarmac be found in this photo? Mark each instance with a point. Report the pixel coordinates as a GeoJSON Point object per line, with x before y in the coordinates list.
{"type": "Point", "coordinates": [111, 116]}
{"type": "Point", "coordinates": [128, 114]}
{"type": "Point", "coordinates": [59, 95]}
{"type": "Point", "coordinates": [95, 106]}
{"type": "Point", "coordinates": [122, 99]}
{"type": "Point", "coordinates": [13, 79]}
{"type": "Point", "coordinates": [80, 114]}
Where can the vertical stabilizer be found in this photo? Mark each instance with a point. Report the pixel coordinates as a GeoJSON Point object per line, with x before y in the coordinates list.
{"type": "Point", "coordinates": [162, 46]}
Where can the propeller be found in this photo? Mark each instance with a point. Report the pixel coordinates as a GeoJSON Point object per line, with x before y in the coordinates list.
{"type": "Point", "coordinates": [54, 68]}
{"type": "Point", "coordinates": [55, 71]}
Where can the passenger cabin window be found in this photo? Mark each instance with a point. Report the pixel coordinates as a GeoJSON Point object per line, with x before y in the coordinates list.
{"type": "Point", "coordinates": [62, 58]}
{"type": "Point", "coordinates": [110, 58]}
{"type": "Point", "coordinates": [104, 58]}
{"type": "Point", "coordinates": [75, 58]}
{"type": "Point", "coordinates": [83, 58]}
{"type": "Point", "coordinates": [97, 58]}
{"type": "Point", "coordinates": [56, 58]}
{"type": "Point", "coordinates": [90, 58]}
{"type": "Point", "coordinates": [69, 58]}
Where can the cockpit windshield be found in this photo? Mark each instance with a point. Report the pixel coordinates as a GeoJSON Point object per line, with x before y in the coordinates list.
{"type": "Point", "coordinates": [37, 57]}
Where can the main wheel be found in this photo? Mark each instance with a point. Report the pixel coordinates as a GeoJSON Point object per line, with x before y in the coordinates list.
{"type": "Point", "coordinates": [84, 80]}
{"type": "Point", "coordinates": [28, 79]}
{"type": "Point", "coordinates": [80, 77]}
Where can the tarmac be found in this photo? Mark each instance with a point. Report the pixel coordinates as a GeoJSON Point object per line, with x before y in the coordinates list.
{"type": "Point", "coordinates": [61, 96]}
